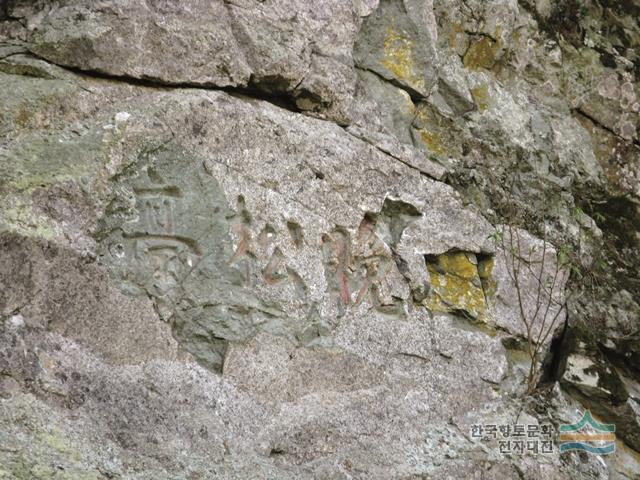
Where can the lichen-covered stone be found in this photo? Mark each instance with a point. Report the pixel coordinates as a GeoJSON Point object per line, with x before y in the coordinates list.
{"type": "Point", "coordinates": [456, 284]}
{"type": "Point", "coordinates": [396, 43]}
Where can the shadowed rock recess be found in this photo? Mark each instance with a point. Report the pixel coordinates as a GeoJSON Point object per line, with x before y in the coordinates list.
{"type": "Point", "coordinates": [284, 239]}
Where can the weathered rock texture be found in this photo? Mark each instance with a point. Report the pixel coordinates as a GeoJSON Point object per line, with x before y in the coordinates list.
{"type": "Point", "coordinates": [292, 239]}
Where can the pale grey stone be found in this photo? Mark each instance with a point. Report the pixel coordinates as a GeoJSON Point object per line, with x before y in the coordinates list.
{"type": "Point", "coordinates": [293, 48]}
{"type": "Point", "coordinates": [220, 243]}
{"type": "Point", "coordinates": [534, 265]}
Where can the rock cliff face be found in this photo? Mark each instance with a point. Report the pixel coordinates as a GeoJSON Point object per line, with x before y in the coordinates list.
{"type": "Point", "coordinates": [292, 239]}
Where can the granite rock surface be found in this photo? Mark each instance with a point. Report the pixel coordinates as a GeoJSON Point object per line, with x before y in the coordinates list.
{"type": "Point", "coordinates": [290, 239]}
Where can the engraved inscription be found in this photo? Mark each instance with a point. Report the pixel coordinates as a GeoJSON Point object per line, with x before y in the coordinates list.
{"type": "Point", "coordinates": [355, 268]}
{"type": "Point", "coordinates": [362, 266]}
{"type": "Point", "coordinates": [167, 254]}
{"type": "Point", "coordinates": [156, 209]}
{"type": "Point", "coordinates": [169, 234]}
{"type": "Point", "coordinates": [259, 256]}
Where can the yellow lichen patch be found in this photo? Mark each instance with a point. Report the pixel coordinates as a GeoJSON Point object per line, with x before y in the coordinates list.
{"type": "Point", "coordinates": [432, 132]}
{"type": "Point", "coordinates": [457, 284]}
{"type": "Point", "coordinates": [432, 141]}
{"type": "Point", "coordinates": [485, 270]}
{"type": "Point", "coordinates": [456, 29]}
{"type": "Point", "coordinates": [481, 96]}
{"type": "Point", "coordinates": [481, 54]}
{"type": "Point", "coordinates": [460, 264]}
{"type": "Point", "coordinates": [399, 58]}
